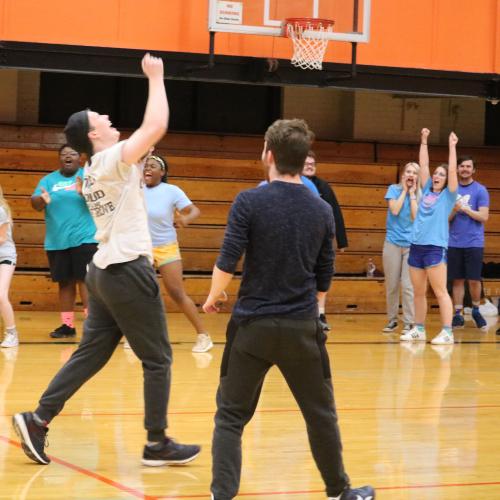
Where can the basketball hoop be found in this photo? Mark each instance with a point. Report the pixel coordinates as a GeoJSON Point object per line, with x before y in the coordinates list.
{"type": "Point", "coordinates": [309, 38]}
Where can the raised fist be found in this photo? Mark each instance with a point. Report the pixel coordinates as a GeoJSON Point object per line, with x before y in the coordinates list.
{"type": "Point", "coordinates": [152, 66]}
{"type": "Point", "coordinates": [453, 139]}
{"type": "Point", "coordinates": [425, 133]}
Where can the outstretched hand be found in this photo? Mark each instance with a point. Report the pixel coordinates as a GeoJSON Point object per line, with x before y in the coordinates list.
{"type": "Point", "coordinates": [152, 66]}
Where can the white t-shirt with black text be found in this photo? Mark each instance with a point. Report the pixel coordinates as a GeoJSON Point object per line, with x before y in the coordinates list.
{"type": "Point", "coordinates": [113, 192]}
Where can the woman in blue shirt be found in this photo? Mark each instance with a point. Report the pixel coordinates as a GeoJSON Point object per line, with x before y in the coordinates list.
{"type": "Point", "coordinates": [402, 210]}
{"type": "Point", "coordinates": [163, 202]}
{"type": "Point", "coordinates": [429, 241]}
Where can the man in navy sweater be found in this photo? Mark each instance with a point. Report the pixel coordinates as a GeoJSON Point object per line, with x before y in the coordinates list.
{"type": "Point", "coordinates": [286, 234]}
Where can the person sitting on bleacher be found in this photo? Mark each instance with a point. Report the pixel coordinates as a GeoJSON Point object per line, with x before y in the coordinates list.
{"type": "Point", "coordinates": [69, 234]}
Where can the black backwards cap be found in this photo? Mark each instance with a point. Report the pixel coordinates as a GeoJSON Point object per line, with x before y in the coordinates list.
{"type": "Point", "coordinates": [77, 133]}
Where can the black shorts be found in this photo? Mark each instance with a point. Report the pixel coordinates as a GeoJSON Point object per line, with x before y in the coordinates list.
{"type": "Point", "coordinates": [465, 263]}
{"type": "Point", "coordinates": [70, 264]}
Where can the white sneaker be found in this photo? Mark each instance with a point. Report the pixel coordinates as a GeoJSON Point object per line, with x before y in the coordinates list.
{"type": "Point", "coordinates": [203, 343]}
{"type": "Point", "coordinates": [413, 335]}
{"type": "Point", "coordinates": [443, 338]}
{"type": "Point", "coordinates": [126, 345]}
{"type": "Point", "coordinates": [10, 340]}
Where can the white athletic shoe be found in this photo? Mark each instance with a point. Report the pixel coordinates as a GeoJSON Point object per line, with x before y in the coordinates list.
{"type": "Point", "coordinates": [443, 338]}
{"type": "Point", "coordinates": [10, 340]}
{"type": "Point", "coordinates": [413, 335]}
{"type": "Point", "coordinates": [203, 343]}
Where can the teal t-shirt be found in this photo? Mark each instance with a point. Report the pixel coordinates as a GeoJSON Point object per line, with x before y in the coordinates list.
{"type": "Point", "coordinates": [399, 226]}
{"type": "Point", "coordinates": [68, 222]}
{"type": "Point", "coordinates": [431, 226]}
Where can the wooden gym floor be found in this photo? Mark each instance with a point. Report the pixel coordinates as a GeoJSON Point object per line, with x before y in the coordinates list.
{"type": "Point", "coordinates": [417, 421]}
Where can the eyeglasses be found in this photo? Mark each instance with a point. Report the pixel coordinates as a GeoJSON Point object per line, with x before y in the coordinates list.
{"type": "Point", "coordinates": [310, 164]}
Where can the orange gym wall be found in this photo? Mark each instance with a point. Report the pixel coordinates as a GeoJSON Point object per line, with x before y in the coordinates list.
{"type": "Point", "coordinates": [455, 35]}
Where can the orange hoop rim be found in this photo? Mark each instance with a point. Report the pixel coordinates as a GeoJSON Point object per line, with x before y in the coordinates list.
{"type": "Point", "coordinates": [307, 23]}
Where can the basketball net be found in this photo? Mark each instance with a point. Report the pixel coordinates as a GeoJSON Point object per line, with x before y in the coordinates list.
{"type": "Point", "coordinates": [308, 51]}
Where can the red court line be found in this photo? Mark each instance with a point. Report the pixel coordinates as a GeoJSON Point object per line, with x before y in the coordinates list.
{"type": "Point", "coordinates": [305, 492]}
{"type": "Point", "coordinates": [285, 410]}
{"type": "Point", "coordinates": [89, 473]}
{"type": "Point", "coordinates": [139, 494]}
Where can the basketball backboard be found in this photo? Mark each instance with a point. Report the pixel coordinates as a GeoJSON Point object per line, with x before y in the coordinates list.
{"type": "Point", "coordinates": [266, 17]}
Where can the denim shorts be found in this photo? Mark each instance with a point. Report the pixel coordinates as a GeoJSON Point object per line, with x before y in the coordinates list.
{"type": "Point", "coordinates": [424, 256]}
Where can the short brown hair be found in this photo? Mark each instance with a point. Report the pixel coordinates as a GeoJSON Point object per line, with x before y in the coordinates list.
{"type": "Point", "coordinates": [461, 159]}
{"type": "Point", "coordinates": [290, 142]}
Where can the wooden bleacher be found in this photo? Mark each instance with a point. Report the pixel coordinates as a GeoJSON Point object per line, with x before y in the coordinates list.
{"type": "Point", "coordinates": [212, 169]}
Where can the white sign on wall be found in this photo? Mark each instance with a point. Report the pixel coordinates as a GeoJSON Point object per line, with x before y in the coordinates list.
{"type": "Point", "coordinates": [229, 12]}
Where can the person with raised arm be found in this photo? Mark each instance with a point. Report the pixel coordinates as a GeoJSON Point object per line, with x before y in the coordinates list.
{"type": "Point", "coordinates": [124, 294]}
{"type": "Point", "coordinates": [429, 241]}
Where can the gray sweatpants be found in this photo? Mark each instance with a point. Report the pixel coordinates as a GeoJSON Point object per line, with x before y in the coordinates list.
{"type": "Point", "coordinates": [123, 299]}
{"type": "Point", "coordinates": [397, 277]}
{"type": "Point", "coordinates": [297, 348]}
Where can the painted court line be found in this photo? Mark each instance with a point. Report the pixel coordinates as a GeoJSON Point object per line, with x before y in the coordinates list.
{"type": "Point", "coordinates": [284, 410]}
{"type": "Point", "coordinates": [138, 494]}
{"type": "Point", "coordinates": [310, 492]}
{"type": "Point", "coordinates": [89, 473]}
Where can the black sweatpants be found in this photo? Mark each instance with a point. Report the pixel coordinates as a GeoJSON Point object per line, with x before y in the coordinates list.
{"type": "Point", "coordinates": [124, 299]}
{"type": "Point", "coordinates": [297, 348]}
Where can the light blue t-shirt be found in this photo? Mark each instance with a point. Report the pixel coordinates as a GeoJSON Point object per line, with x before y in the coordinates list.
{"type": "Point", "coordinates": [68, 222]}
{"type": "Point", "coordinates": [431, 226]}
{"type": "Point", "coordinates": [161, 203]}
{"type": "Point", "coordinates": [309, 184]}
{"type": "Point", "coordinates": [399, 226]}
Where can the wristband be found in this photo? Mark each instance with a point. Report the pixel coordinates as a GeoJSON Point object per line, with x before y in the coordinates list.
{"type": "Point", "coordinates": [413, 197]}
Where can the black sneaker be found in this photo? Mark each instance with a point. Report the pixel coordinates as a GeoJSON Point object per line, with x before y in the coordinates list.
{"type": "Point", "coordinates": [363, 493]}
{"type": "Point", "coordinates": [169, 453]}
{"type": "Point", "coordinates": [63, 331]}
{"type": "Point", "coordinates": [33, 437]}
{"type": "Point", "coordinates": [391, 326]}
{"type": "Point", "coordinates": [322, 321]}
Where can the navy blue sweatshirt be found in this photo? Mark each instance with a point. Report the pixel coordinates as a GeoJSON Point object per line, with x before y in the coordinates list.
{"type": "Point", "coordinates": [286, 233]}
